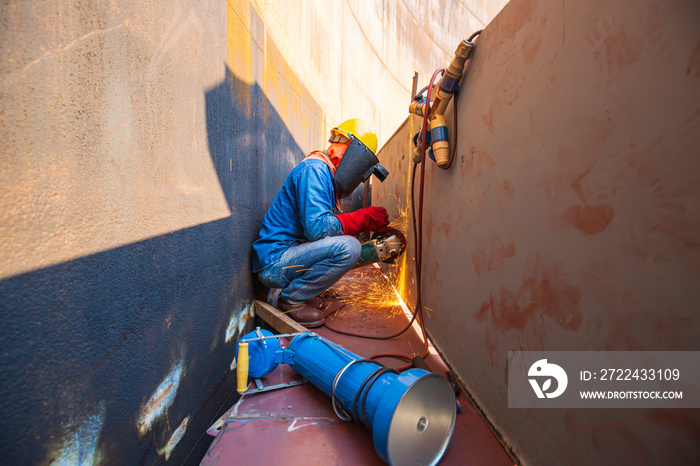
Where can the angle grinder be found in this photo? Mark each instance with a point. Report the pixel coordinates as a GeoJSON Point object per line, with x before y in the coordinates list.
{"type": "Point", "coordinates": [384, 246]}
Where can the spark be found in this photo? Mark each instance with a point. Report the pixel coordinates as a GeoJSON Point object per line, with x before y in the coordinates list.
{"type": "Point", "coordinates": [379, 290]}
{"type": "Point", "coordinates": [413, 353]}
{"type": "Point", "coordinates": [376, 293]}
{"type": "Point", "coordinates": [400, 222]}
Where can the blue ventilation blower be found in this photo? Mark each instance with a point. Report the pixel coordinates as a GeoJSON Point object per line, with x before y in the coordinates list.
{"type": "Point", "coordinates": [411, 414]}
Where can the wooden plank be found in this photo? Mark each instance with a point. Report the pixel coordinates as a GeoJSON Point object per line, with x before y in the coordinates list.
{"type": "Point", "coordinates": [278, 321]}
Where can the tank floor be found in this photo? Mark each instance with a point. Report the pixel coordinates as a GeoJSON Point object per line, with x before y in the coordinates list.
{"type": "Point", "coordinates": [297, 425]}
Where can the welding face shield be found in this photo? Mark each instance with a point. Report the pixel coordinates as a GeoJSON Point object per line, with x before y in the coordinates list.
{"type": "Point", "coordinates": [356, 166]}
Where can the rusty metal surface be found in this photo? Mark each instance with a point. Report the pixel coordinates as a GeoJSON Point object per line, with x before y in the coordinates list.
{"type": "Point", "coordinates": [570, 219]}
{"type": "Point", "coordinates": [297, 425]}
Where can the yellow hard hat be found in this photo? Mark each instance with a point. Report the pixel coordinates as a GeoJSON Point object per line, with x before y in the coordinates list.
{"type": "Point", "coordinates": [358, 129]}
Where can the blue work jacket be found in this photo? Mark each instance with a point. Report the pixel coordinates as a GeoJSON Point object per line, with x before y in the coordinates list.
{"type": "Point", "coordinates": [302, 211]}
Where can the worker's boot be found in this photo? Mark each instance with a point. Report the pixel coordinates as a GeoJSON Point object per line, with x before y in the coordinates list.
{"type": "Point", "coordinates": [332, 302]}
{"type": "Point", "coordinates": [326, 306]}
{"type": "Point", "coordinates": [304, 313]}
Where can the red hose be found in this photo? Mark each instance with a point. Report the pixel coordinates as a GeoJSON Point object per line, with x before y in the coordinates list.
{"type": "Point", "coordinates": [419, 237]}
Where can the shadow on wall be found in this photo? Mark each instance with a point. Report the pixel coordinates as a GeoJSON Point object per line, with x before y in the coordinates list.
{"type": "Point", "coordinates": [122, 356]}
{"type": "Point", "coordinates": [252, 149]}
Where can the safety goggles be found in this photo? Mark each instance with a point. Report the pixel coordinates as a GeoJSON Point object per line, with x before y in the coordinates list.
{"type": "Point", "coordinates": [338, 138]}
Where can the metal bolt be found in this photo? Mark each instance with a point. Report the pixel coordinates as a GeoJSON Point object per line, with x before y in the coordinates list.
{"type": "Point", "coordinates": [422, 424]}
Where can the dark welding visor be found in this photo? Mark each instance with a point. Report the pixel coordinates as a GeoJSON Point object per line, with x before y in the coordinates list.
{"type": "Point", "coordinates": [356, 166]}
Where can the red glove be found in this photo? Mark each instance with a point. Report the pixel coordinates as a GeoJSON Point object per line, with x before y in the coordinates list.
{"type": "Point", "coordinates": [367, 219]}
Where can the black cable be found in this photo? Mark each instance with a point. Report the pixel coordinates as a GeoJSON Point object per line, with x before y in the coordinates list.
{"type": "Point", "coordinates": [364, 389]}
{"type": "Point", "coordinates": [359, 392]}
{"type": "Point", "coordinates": [415, 241]}
{"type": "Point", "coordinates": [374, 377]}
{"type": "Point", "coordinates": [413, 201]}
{"type": "Point", "coordinates": [336, 403]}
{"type": "Point", "coordinates": [366, 385]}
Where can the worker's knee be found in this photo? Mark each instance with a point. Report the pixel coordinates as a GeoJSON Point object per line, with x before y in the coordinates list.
{"type": "Point", "coordinates": [348, 249]}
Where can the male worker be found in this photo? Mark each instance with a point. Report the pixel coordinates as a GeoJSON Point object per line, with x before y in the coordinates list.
{"type": "Point", "coordinates": [303, 248]}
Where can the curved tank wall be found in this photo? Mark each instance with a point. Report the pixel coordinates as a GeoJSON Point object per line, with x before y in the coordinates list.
{"type": "Point", "coordinates": [141, 145]}
{"type": "Point", "coordinates": [570, 219]}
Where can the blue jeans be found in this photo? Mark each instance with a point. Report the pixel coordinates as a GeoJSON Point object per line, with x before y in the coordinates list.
{"type": "Point", "coordinates": [308, 269]}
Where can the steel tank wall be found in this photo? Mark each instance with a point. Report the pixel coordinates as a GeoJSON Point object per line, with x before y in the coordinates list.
{"type": "Point", "coordinates": [139, 155]}
{"type": "Point", "coordinates": [141, 144]}
{"type": "Point", "coordinates": [358, 56]}
{"type": "Point", "coordinates": [570, 219]}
